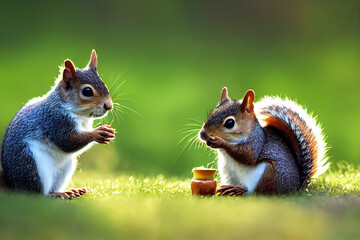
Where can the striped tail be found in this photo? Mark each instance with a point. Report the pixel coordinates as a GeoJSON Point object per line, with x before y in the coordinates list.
{"type": "Point", "coordinates": [301, 129]}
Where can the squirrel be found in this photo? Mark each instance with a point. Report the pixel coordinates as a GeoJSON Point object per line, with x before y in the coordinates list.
{"type": "Point", "coordinates": [270, 147]}
{"type": "Point", "coordinates": [41, 144]}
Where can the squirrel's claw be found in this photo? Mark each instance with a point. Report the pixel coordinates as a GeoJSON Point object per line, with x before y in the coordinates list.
{"type": "Point", "coordinates": [104, 134]}
{"type": "Point", "coordinates": [229, 190]}
{"type": "Point", "coordinates": [63, 195]}
{"type": "Point", "coordinates": [69, 194]}
{"type": "Point", "coordinates": [106, 128]}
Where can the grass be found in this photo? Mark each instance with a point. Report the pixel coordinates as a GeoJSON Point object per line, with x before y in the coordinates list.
{"type": "Point", "coordinates": [130, 207]}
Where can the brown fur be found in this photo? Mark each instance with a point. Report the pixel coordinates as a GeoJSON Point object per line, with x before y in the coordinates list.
{"type": "Point", "coordinates": [267, 184]}
{"type": "Point", "coordinates": [274, 142]}
{"type": "Point", "coordinates": [97, 99]}
{"type": "Point", "coordinates": [69, 65]}
{"type": "Point", "coordinates": [224, 94]}
{"type": "Point", "coordinates": [245, 121]}
{"type": "Point", "coordinates": [248, 100]}
{"type": "Point", "coordinates": [242, 153]}
{"type": "Point", "coordinates": [102, 134]}
{"type": "Point", "coordinates": [245, 125]}
{"type": "Point", "coordinates": [244, 116]}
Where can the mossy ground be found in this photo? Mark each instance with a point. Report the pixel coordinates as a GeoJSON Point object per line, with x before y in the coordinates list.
{"type": "Point", "coordinates": [130, 207]}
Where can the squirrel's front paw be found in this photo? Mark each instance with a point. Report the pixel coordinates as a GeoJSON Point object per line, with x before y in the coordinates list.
{"type": "Point", "coordinates": [230, 190]}
{"type": "Point", "coordinates": [215, 143]}
{"type": "Point", "coordinates": [104, 134]}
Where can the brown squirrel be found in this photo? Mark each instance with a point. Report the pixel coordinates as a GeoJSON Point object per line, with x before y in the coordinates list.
{"type": "Point", "coordinates": [270, 147]}
{"type": "Point", "coordinates": [42, 142]}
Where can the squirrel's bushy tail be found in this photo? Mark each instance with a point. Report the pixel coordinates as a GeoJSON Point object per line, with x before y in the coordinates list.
{"type": "Point", "coordinates": [302, 131]}
{"type": "Point", "coordinates": [2, 180]}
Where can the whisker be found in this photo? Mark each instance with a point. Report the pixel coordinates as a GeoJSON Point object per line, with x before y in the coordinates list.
{"type": "Point", "coordinates": [193, 140]}
{"type": "Point", "coordinates": [182, 151]}
{"type": "Point", "coordinates": [186, 136]}
{"type": "Point", "coordinates": [117, 116]}
{"type": "Point", "coordinates": [128, 108]}
{"type": "Point", "coordinates": [119, 86]}
{"type": "Point", "coordinates": [118, 96]}
{"type": "Point", "coordinates": [112, 117]}
{"type": "Point", "coordinates": [191, 136]}
{"type": "Point", "coordinates": [119, 77]}
{"type": "Point", "coordinates": [188, 130]}
{"type": "Point", "coordinates": [119, 110]}
{"type": "Point", "coordinates": [116, 106]}
{"type": "Point", "coordinates": [113, 83]}
{"type": "Point", "coordinates": [124, 99]}
{"type": "Point", "coordinates": [201, 144]}
{"type": "Point", "coordinates": [197, 143]}
{"type": "Point", "coordinates": [193, 124]}
{"type": "Point", "coordinates": [194, 120]}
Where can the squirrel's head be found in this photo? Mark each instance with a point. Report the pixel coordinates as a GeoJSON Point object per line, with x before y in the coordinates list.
{"type": "Point", "coordinates": [231, 120]}
{"type": "Point", "coordinates": [84, 90]}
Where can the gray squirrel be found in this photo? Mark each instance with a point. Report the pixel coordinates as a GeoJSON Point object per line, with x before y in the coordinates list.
{"type": "Point", "coordinates": [269, 147]}
{"type": "Point", "coordinates": [41, 144]}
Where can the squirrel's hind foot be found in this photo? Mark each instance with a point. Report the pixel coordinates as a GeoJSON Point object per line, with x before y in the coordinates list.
{"type": "Point", "coordinates": [69, 194]}
{"type": "Point", "coordinates": [230, 190]}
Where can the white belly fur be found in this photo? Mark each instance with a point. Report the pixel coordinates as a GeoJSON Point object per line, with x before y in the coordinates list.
{"type": "Point", "coordinates": [237, 174]}
{"type": "Point", "coordinates": [55, 167]}
{"type": "Point", "coordinates": [83, 124]}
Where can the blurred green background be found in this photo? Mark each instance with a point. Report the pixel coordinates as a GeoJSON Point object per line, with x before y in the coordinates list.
{"type": "Point", "coordinates": [176, 56]}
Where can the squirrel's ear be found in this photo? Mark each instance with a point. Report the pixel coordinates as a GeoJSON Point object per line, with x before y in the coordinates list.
{"type": "Point", "coordinates": [70, 66]}
{"type": "Point", "coordinates": [93, 59]}
{"type": "Point", "coordinates": [224, 94]}
{"type": "Point", "coordinates": [67, 77]}
{"type": "Point", "coordinates": [248, 101]}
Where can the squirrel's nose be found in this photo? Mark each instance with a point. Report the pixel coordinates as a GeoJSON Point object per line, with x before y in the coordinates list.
{"type": "Point", "coordinates": [204, 135]}
{"type": "Point", "coordinates": [108, 105]}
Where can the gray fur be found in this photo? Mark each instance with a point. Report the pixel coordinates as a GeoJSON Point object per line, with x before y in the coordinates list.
{"type": "Point", "coordinates": [90, 75]}
{"type": "Point", "coordinates": [257, 140]}
{"type": "Point", "coordinates": [287, 171]}
{"type": "Point", "coordinates": [47, 120]}
{"type": "Point", "coordinates": [223, 109]}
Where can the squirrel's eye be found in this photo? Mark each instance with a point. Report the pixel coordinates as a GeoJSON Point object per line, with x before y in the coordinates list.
{"type": "Point", "coordinates": [87, 92]}
{"type": "Point", "coordinates": [229, 123]}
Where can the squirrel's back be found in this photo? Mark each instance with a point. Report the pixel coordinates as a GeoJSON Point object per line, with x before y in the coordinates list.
{"type": "Point", "coordinates": [36, 118]}
{"type": "Point", "coordinates": [301, 130]}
